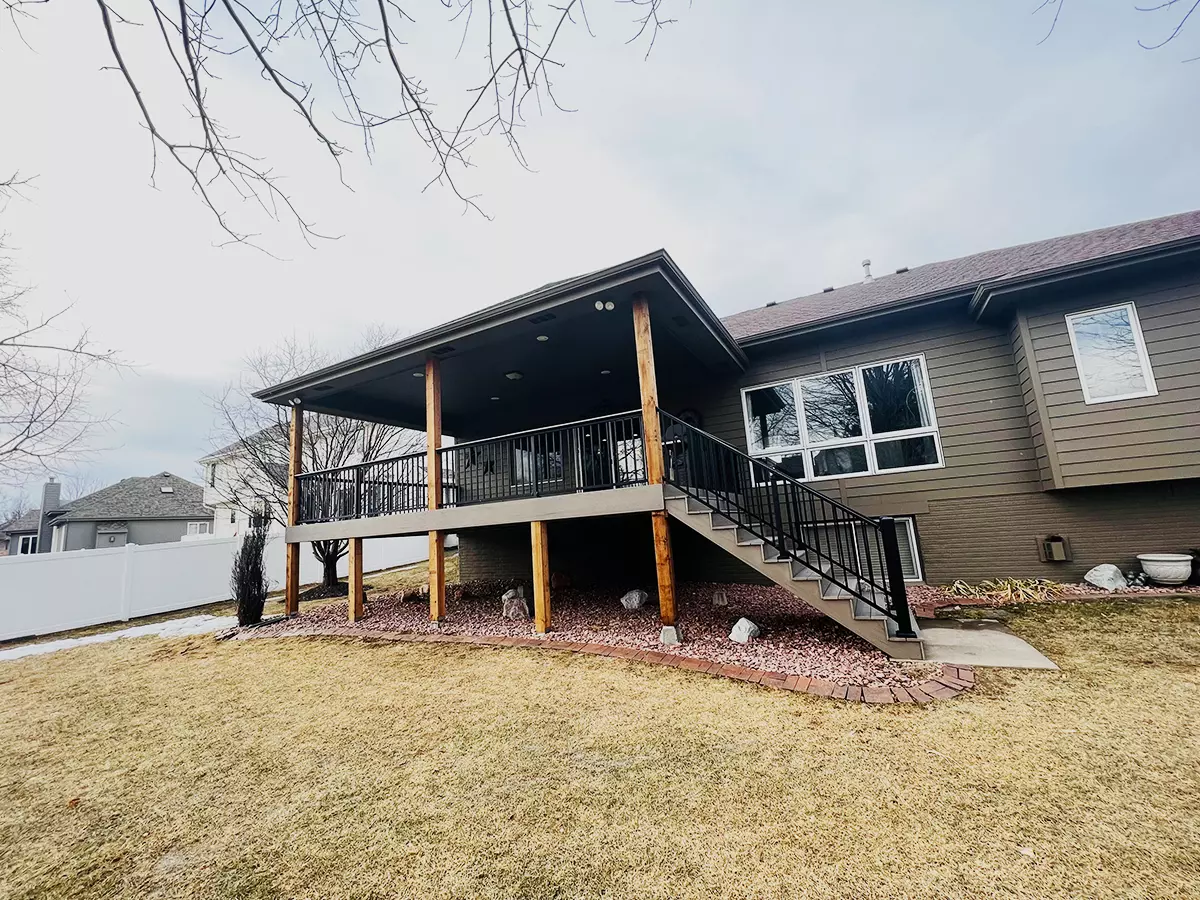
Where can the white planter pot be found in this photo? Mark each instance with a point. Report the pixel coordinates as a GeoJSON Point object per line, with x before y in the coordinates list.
{"type": "Point", "coordinates": [1166, 568]}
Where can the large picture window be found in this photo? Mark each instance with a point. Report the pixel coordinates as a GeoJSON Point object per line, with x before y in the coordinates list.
{"type": "Point", "coordinates": [861, 421]}
{"type": "Point", "coordinates": [1110, 354]}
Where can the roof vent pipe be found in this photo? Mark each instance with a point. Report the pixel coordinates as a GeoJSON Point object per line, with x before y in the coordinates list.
{"type": "Point", "coordinates": [867, 277]}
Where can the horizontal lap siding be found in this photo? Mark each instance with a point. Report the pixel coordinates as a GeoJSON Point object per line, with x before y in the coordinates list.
{"type": "Point", "coordinates": [997, 537]}
{"type": "Point", "coordinates": [1029, 395]}
{"type": "Point", "coordinates": [977, 394]}
{"type": "Point", "coordinates": [1144, 439]}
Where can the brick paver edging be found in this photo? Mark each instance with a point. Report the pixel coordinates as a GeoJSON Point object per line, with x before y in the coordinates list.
{"type": "Point", "coordinates": [950, 682]}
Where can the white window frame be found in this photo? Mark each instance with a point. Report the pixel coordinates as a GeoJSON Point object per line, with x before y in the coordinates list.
{"type": "Point", "coordinates": [908, 523]}
{"type": "Point", "coordinates": [25, 542]}
{"type": "Point", "coordinates": [1139, 342]}
{"type": "Point", "coordinates": [195, 529]}
{"type": "Point", "coordinates": [868, 438]}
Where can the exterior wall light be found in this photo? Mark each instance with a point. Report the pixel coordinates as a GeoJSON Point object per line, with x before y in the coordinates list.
{"type": "Point", "coordinates": [296, 401]}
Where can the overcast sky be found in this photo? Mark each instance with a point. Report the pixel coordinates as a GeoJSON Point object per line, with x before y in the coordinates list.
{"type": "Point", "coordinates": [769, 154]}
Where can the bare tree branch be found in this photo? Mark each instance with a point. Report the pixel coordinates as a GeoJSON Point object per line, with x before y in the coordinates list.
{"type": "Point", "coordinates": [333, 62]}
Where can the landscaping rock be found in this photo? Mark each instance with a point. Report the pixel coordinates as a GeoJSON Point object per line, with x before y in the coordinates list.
{"type": "Point", "coordinates": [559, 581]}
{"type": "Point", "coordinates": [744, 631]}
{"type": "Point", "coordinates": [514, 605]}
{"type": "Point", "coordinates": [1106, 576]}
{"type": "Point", "coordinates": [720, 598]}
{"type": "Point", "coordinates": [670, 636]}
{"type": "Point", "coordinates": [635, 599]}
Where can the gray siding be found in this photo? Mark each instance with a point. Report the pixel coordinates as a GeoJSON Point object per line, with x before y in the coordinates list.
{"type": "Point", "coordinates": [158, 531]}
{"type": "Point", "coordinates": [81, 536]}
{"type": "Point", "coordinates": [1144, 439]}
{"type": "Point", "coordinates": [1031, 390]}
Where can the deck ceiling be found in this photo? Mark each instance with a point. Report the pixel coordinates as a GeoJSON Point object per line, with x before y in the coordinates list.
{"type": "Point", "coordinates": [561, 377]}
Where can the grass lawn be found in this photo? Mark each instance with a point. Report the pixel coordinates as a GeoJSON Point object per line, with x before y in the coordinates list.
{"type": "Point", "coordinates": [336, 769]}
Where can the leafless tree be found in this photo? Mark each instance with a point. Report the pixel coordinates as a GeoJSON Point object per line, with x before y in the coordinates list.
{"type": "Point", "coordinates": [1174, 14]}
{"type": "Point", "coordinates": [253, 438]}
{"type": "Point", "coordinates": [44, 372]}
{"type": "Point", "coordinates": [80, 484]}
{"type": "Point", "coordinates": [345, 68]}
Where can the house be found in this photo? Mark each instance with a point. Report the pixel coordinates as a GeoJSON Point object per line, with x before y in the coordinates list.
{"type": "Point", "coordinates": [19, 536]}
{"type": "Point", "coordinates": [154, 510]}
{"type": "Point", "coordinates": [237, 490]}
{"type": "Point", "coordinates": [1029, 412]}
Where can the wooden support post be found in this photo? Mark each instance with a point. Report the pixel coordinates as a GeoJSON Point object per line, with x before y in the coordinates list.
{"type": "Point", "coordinates": [433, 488]}
{"type": "Point", "coordinates": [541, 577]}
{"type": "Point", "coordinates": [355, 579]}
{"type": "Point", "coordinates": [648, 384]}
{"type": "Point", "coordinates": [665, 566]}
{"type": "Point", "coordinates": [433, 432]}
{"type": "Point", "coordinates": [437, 576]}
{"type": "Point", "coordinates": [291, 591]}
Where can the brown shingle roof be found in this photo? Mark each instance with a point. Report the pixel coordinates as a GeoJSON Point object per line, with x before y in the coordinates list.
{"type": "Point", "coordinates": [964, 274]}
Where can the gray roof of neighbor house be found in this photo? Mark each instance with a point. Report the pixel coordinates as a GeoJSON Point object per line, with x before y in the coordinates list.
{"type": "Point", "coordinates": [26, 522]}
{"type": "Point", "coordinates": [140, 498]}
{"type": "Point", "coordinates": [964, 275]}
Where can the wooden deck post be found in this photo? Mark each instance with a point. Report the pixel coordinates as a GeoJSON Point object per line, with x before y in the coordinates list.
{"type": "Point", "coordinates": [652, 442]}
{"type": "Point", "coordinates": [541, 577]}
{"type": "Point", "coordinates": [664, 565]}
{"type": "Point", "coordinates": [291, 591]}
{"type": "Point", "coordinates": [433, 487]}
{"type": "Point", "coordinates": [355, 579]}
{"type": "Point", "coordinates": [648, 384]}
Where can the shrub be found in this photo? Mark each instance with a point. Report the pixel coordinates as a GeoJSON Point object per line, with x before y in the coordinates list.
{"type": "Point", "coordinates": [1007, 590]}
{"type": "Point", "coordinates": [249, 579]}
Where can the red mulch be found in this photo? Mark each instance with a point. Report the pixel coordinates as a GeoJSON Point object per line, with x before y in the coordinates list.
{"type": "Point", "coordinates": [927, 599]}
{"type": "Point", "coordinates": [795, 638]}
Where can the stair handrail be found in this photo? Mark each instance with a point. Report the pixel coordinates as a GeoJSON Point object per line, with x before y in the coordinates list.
{"type": "Point", "coordinates": [891, 579]}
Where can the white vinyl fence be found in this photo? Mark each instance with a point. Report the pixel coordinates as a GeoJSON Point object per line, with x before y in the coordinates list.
{"type": "Point", "coordinates": [48, 592]}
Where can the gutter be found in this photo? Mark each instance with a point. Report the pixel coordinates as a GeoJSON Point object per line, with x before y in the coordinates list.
{"type": "Point", "coordinates": [996, 289]}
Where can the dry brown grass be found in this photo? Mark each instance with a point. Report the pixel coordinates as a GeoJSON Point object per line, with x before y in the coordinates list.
{"type": "Point", "coordinates": [327, 769]}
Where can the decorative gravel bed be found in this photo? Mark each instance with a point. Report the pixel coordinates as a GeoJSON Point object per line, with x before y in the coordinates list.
{"type": "Point", "coordinates": [795, 639]}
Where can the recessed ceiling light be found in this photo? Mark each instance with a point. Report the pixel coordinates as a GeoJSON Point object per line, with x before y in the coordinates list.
{"type": "Point", "coordinates": [418, 374]}
{"type": "Point", "coordinates": [495, 398]}
{"type": "Point", "coordinates": [599, 306]}
{"type": "Point", "coordinates": [610, 306]}
{"type": "Point", "coordinates": [543, 338]}
{"type": "Point", "coordinates": [513, 376]}
{"type": "Point", "coordinates": [606, 371]}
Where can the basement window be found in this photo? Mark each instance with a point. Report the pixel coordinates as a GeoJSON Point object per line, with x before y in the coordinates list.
{"type": "Point", "coordinates": [865, 420]}
{"type": "Point", "coordinates": [1110, 354]}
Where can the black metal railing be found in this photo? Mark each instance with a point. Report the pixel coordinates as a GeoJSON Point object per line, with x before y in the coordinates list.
{"type": "Point", "coordinates": [855, 552]}
{"type": "Point", "coordinates": [589, 455]}
{"type": "Point", "coordinates": [379, 488]}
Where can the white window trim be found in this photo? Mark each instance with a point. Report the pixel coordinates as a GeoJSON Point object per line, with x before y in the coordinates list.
{"type": "Point", "coordinates": [194, 528]}
{"type": "Point", "coordinates": [868, 438]}
{"type": "Point", "coordinates": [23, 544]}
{"type": "Point", "coordinates": [1138, 341]}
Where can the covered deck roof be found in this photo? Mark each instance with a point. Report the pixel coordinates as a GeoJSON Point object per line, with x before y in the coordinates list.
{"type": "Point", "coordinates": [555, 353]}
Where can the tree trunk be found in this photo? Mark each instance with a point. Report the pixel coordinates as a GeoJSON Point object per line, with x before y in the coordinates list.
{"type": "Point", "coordinates": [330, 578]}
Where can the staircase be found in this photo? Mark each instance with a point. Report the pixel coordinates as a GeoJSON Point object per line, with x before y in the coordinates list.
{"type": "Point", "coordinates": [841, 563]}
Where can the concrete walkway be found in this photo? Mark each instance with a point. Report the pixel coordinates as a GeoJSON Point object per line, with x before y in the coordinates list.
{"type": "Point", "coordinates": [979, 642]}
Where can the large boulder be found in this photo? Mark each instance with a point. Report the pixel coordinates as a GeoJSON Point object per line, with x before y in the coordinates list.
{"type": "Point", "coordinates": [514, 605]}
{"type": "Point", "coordinates": [744, 631]}
{"type": "Point", "coordinates": [635, 599]}
{"type": "Point", "coordinates": [1107, 577]}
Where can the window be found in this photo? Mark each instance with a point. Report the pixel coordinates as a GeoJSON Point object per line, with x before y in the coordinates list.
{"type": "Point", "coordinates": [27, 544]}
{"type": "Point", "coordinates": [212, 474]}
{"type": "Point", "coordinates": [868, 548]}
{"type": "Point", "coordinates": [861, 421]}
{"type": "Point", "coordinates": [261, 517]}
{"type": "Point", "coordinates": [1110, 354]}
{"type": "Point", "coordinates": [199, 528]}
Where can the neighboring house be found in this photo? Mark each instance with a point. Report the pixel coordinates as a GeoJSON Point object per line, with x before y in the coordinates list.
{"type": "Point", "coordinates": [231, 484]}
{"type": "Point", "coordinates": [154, 510]}
{"type": "Point", "coordinates": [1029, 412]}
{"type": "Point", "coordinates": [19, 536]}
